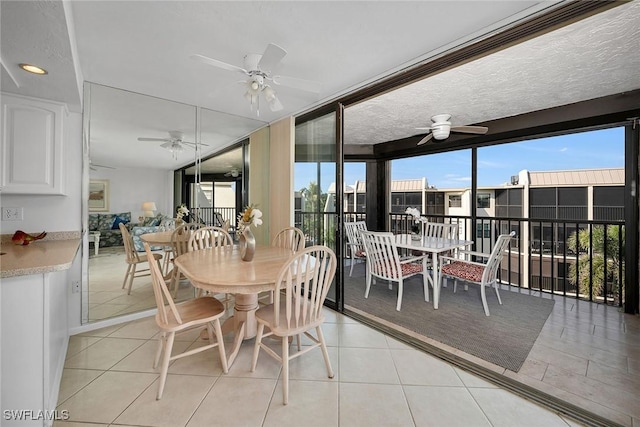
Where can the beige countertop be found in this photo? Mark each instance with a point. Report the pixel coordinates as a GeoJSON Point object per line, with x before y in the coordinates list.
{"type": "Point", "coordinates": [54, 253]}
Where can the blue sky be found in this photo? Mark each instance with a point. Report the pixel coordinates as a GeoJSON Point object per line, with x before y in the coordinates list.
{"type": "Point", "coordinates": [584, 150]}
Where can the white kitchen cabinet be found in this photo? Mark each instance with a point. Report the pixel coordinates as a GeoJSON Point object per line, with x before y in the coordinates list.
{"type": "Point", "coordinates": [32, 146]}
{"type": "Point", "coordinates": [34, 335]}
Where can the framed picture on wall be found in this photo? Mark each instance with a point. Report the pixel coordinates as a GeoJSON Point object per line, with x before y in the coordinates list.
{"type": "Point", "coordinates": [99, 195]}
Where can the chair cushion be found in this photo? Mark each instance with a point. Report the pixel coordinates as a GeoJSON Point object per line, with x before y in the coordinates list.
{"type": "Point", "coordinates": [411, 268]}
{"type": "Point", "coordinates": [464, 270]}
{"type": "Point", "coordinates": [408, 269]}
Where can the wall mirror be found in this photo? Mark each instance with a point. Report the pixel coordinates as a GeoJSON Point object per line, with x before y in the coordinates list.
{"type": "Point", "coordinates": [142, 172]}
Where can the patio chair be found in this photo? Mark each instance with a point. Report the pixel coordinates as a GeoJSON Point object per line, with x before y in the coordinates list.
{"type": "Point", "coordinates": [440, 230]}
{"type": "Point", "coordinates": [305, 280]}
{"type": "Point", "coordinates": [481, 273]}
{"type": "Point", "coordinates": [133, 259]}
{"type": "Point", "coordinates": [383, 261]}
{"type": "Point", "coordinates": [173, 318]}
{"type": "Point", "coordinates": [354, 242]}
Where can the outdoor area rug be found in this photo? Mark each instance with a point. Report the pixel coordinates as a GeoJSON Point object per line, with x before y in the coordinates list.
{"type": "Point", "coordinates": [504, 338]}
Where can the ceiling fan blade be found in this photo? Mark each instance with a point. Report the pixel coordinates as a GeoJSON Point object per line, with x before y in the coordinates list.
{"type": "Point", "coordinates": [154, 139]}
{"type": "Point", "coordinates": [272, 55]}
{"type": "Point", "coordinates": [194, 144]}
{"type": "Point", "coordinates": [167, 144]}
{"type": "Point", "coordinates": [275, 104]}
{"type": "Point", "coordinates": [425, 139]}
{"type": "Point", "coordinates": [480, 130]}
{"type": "Point", "coordinates": [216, 63]}
{"type": "Point", "coordinates": [296, 83]}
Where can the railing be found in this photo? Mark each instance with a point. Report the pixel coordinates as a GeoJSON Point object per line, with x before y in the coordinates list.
{"type": "Point", "coordinates": [566, 257]}
{"type": "Point", "coordinates": [208, 217]}
{"type": "Point", "coordinates": [545, 255]}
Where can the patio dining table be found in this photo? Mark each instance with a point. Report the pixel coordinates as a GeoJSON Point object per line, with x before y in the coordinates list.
{"type": "Point", "coordinates": [435, 246]}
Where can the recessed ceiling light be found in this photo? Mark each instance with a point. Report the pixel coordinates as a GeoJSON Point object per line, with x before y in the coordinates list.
{"type": "Point", "coordinates": [33, 69]}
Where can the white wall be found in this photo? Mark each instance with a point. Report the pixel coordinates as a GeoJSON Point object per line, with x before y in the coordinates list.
{"type": "Point", "coordinates": [129, 188]}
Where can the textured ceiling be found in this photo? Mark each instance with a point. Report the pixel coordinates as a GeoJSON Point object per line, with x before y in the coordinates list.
{"type": "Point", "coordinates": [595, 57]}
{"type": "Point", "coordinates": [144, 47]}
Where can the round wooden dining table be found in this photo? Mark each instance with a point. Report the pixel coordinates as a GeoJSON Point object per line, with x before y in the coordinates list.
{"type": "Point", "coordinates": [158, 237]}
{"type": "Point", "coordinates": [222, 270]}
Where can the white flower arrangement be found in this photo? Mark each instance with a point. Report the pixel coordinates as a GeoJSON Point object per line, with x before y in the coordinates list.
{"type": "Point", "coordinates": [415, 213]}
{"type": "Point", "coordinates": [181, 211]}
{"type": "Point", "coordinates": [250, 216]}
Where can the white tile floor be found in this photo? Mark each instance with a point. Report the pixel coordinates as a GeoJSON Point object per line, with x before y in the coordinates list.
{"type": "Point", "coordinates": [108, 380]}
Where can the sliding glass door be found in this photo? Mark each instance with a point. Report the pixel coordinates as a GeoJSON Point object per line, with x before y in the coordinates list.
{"type": "Point", "coordinates": [316, 180]}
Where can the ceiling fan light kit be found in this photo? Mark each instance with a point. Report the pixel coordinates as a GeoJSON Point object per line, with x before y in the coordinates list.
{"type": "Point", "coordinates": [441, 129]}
{"type": "Point", "coordinates": [259, 70]}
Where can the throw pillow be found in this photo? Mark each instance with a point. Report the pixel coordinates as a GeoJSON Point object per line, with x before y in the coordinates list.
{"type": "Point", "coordinates": [117, 222]}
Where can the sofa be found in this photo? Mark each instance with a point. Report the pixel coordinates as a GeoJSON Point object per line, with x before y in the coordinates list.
{"type": "Point", "coordinates": [137, 231]}
{"type": "Point", "coordinates": [108, 226]}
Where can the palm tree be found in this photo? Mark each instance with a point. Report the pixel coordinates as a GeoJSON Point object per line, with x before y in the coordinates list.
{"type": "Point", "coordinates": [314, 202]}
{"type": "Point", "coordinates": [591, 245]}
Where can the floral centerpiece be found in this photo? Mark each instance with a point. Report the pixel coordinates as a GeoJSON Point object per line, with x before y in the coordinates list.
{"type": "Point", "coordinates": [417, 218]}
{"type": "Point", "coordinates": [250, 216]}
{"type": "Point", "coordinates": [181, 211]}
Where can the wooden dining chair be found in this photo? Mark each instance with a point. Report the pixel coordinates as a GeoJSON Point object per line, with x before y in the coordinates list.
{"type": "Point", "coordinates": [354, 242]}
{"type": "Point", "coordinates": [133, 259]}
{"type": "Point", "coordinates": [288, 238]}
{"type": "Point", "coordinates": [383, 262]}
{"type": "Point", "coordinates": [210, 237]}
{"type": "Point", "coordinates": [180, 242]}
{"type": "Point", "coordinates": [478, 272]}
{"type": "Point", "coordinates": [174, 318]}
{"type": "Point", "coordinates": [304, 281]}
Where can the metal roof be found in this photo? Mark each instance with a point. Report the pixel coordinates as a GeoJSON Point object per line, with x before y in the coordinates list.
{"type": "Point", "coordinates": [613, 176]}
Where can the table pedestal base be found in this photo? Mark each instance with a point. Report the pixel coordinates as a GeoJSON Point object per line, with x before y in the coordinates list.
{"type": "Point", "coordinates": [243, 322]}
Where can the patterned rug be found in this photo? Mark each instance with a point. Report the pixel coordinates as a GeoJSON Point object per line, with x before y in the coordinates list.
{"type": "Point", "coordinates": [504, 338]}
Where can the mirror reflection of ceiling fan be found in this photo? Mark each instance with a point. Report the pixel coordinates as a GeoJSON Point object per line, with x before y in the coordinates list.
{"type": "Point", "coordinates": [175, 143]}
{"type": "Point", "coordinates": [441, 128]}
{"type": "Point", "coordinates": [259, 69]}
{"type": "Point", "coordinates": [94, 167]}
{"type": "Point", "coordinates": [234, 172]}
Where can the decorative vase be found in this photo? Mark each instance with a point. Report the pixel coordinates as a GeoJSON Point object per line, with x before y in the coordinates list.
{"type": "Point", "coordinates": [247, 244]}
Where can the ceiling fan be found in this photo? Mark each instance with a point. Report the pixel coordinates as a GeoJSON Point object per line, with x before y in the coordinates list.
{"type": "Point", "coordinates": [441, 128]}
{"type": "Point", "coordinates": [259, 69]}
{"type": "Point", "coordinates": [94, 167]}
{"type": "Point", "coordinates": [234, 172]}
{"type": "Point", "coordinates": [175, 143]}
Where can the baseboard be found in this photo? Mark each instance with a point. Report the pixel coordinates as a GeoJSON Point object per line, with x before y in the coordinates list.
{"type": "Point", "coordinates": [87, 327]}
